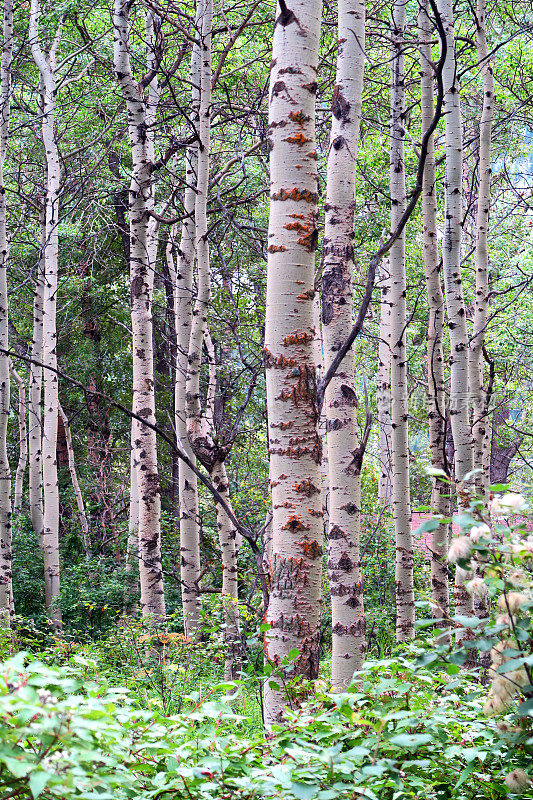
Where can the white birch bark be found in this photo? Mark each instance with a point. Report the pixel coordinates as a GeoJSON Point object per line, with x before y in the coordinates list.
{"type": "Point", "coordinates": [46, 64]}
{"type": "Point", "coordinates": [453, 286]}
{"type": "Point", "coordinates": [35, 475]}
{"type": "Point", "coordinates": [195, 420]}
{"type": "Point", "coordinates": [440, 496]}
{"type": "Point", "coordinates": [6, 578]}
{"type": "Point", "coordinates": [383, 398]}
{"type": "Point", "coordinates": [340, 406]}
{"type": "Point", "coordinates": [401, 504]}
{"type": "Point", "coordinates": [480, 419]}
{"type": "Point", "coordinates": [294, 444]}
{"type": "Point", "coordinates": [140, 114]}
{"type": "Point", "coordinates": [451, 254]}
{"type": "Point", "coordinates": [183, 308]}
{"type": "Point", "coordinates": [23, 439]}
{"type": "Point", "coordinates": [227, 538]}
{"type": "Point", "coordinates": [85, 537]}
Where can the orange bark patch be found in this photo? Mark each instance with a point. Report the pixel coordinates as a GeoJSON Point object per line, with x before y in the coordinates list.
{"type": "Point", "coordinates": [299, 117]}
{"type": "Point", "coordinates": [298, 139]}
{"type": "Point", "coordinates": [301, 337]}
{"type": "Point", "coordinates": [276, 248]}
{"type": "Point", "coordinates": [298, 195]}
{"type": "Point", "coordinates": [306, 487]}
{"type": "Point", "coordinates": [311, 550]}
{"type": "Point", "coordinates": [310, 240]}
{"type": "Point", "coordinates": [296, 226]}
{"type": "Point", "coordinates": [280, 362]}
{"type": "Point", "coordinates": [306, 295]}
{"type": "Point", "coordinates": [313, 155]}
{"type": "Point", "coordinates": [294, 523]}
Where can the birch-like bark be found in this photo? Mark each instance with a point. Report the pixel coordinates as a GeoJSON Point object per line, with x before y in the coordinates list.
{"type": "Point", "coordinates": [227, 538]}
{"type": "Point", "coordinates": [85, 536]}
{"type": "Point", "coordinates": [183, 308]}
{"type": "Point", "coordinates": [451, 254]}
{"type": "Point", "coordinates": [195, 419]}
{"type": "Point", "coordinates": [6, 578]}
{"type": "Point", "coordinates": [23, 439]}
{"type": "Point", "coordinates": [440, 494]}
{"type": "Point", "coordinates": [453, 286]}
{"type": "Point", "coordinates": [46, 64]}
{"type": "Point", "coordinates": [383, 398]}
{"type": "Point", "coordinates": [401, 504]}
{"type": "Point", "coordinates": [294, 443]}
{"type": "Point", "coordinates": [132, 546]}
{"type": "Point", "coordinates": [35, 475]}
{"type": "Point", "coordinates": [344, 460]}
{"type": "Point", "coordinates": [140, 114]}
{"type": "Point", "coordinates": [480, 419]}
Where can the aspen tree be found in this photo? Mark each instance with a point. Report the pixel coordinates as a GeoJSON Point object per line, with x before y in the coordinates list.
{"type": "Point", "coordinates": [401, 504]}
{"type": "Point", "coordinates": [183, 310]}
{"type": "Point", "coordinates": [6, 586]}
{"type": "Point", "coordinates": [453, 285]}
{"type": "Point", "coordinates": [46, 64]}
{"type": "Point", "coordinates": [294, 444]}
{"type": "Point", "coordinates": [344, 451]}
{"type": "Point", "coordinates": [23, 439]}
{"type": "Point", "coordinates": [440, 495]}
{"type": "Point", "coordinates": [451, 253]}
{"type": "Point", "coordinates": [142, 236]}
{"type": "Point", "coordinates": [480, 420]}
{"type": "Point", "coordinates": [201, 427]}
{"type": "Point", "coordinates": [35, 476]}
{"type": "Point", "coordinates": [383, 388]}
{"type": "Point", "coordinates": [85, 537]}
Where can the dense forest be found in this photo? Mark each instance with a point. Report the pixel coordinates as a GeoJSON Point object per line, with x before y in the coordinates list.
{"type": "Point", "coordinates": [266, 418]}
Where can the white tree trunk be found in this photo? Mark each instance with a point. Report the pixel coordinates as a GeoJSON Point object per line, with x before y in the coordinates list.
{"type": "Point", "coordinates": [6, 578]}
{"type": "Point", "coordinates": [183, 307]}
{"type": "Point", "coordinates": [50, 538]}
{"type": "Point", "coordinates": [383, 398]}
{"type": "Point", "coordinates": [401, 504]}
{"type": "Point", "coordinates": [35, 476]}
{"type": "Point", "coordinates": [23, 440]}
{"type": "Point", "coordinates": [294, 444]}
{"type": "Point", "coordinates": [85, 538]}
{"type": "Point", "coordinates": [480, 423]}
{"type": "Point", "coordinates": [440, 494]}
{"type": "Point", "coordinates": [453, 286]}
{"type": "Point", "coordinates": [344, 460]}
{"type": "Point", "coordinates": [451, 254]}
{"type": "Point", "coordinates": [140, 115]}
{"type": "Point", "coordinates": [227, 538]}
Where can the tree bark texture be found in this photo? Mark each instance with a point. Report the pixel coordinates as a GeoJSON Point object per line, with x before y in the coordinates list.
{"type": "Point", "coordinates": [6, 578]}
{"type": "Point", "coordinates": [401, 504]}
{"type": "Point", "coordinates": [46, 64]}
{"type": "Point", "coordinates": [294, 444]}
{"type": "Point", "coordinates": [436, 396]}
{"type": "Point", "coordinates": [480, 418]}
{"type": "Point", "coordinates": [140, 110]}
{"type": "Point", "coordinates": [23, 439]}
{"type": "Point", "coordinates": [340, 407]}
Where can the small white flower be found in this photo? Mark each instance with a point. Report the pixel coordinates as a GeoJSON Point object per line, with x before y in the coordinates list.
{"type": "Point", "coordinates": [518, 781]}
{"type": "Point", "coordinates": [459, 549]}
{"type": "Point", "coordinates": [44, 696]}
{"type": "Point", "coordinates": [509, 503]}
{"type": "Point", "coordinates": [512, 602]}
{"type": "Point", "coordinates": [477, 587]}
{"type": "Point", "coordinates": [478, 531]}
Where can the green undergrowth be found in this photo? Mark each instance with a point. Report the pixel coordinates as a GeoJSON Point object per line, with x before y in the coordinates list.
{"type": "Point", "coordinates": [402, 731]}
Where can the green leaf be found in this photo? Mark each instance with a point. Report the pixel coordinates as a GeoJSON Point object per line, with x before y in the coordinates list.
{"type": "Point", "coordinates": [468, 770]}
{"type": "Point", "coordinates": [38, 781]}
{"type": "Point", "coordinates": [411, 739]}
